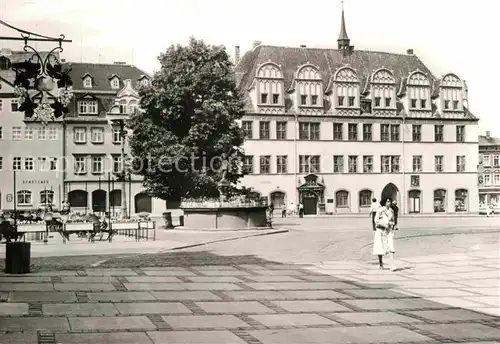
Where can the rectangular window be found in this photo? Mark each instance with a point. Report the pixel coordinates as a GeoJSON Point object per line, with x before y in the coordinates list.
{"type": "Point", "coordinates": [87, 107]}
{"type": "Point", "coordinates": [438, 133]}
{"type": "Point", "coordinates": [263, 98]}
{"type": "Point", "coordinates": [377, 101]}
{"type": "Point", "coordinates": [14, 105]}
{"type": "Point", "coordinates": [247, 129]}
{"type": "Point", "coordinates": [97, 135]}
{"type": "Point", "coordinates": [16, 163]}
{"type": "Point", "coordinates": [53, 164]}
{"type": "Point", "coordinates": [309, 163]}
{"type": "Point", "coordinates": [16, 133]}
{"type": "Point", "coordinates": [338, 163]}
{"type": "Point", "coordinates": [351, 101]}
{"type": "Point", "coordinates": [460, 133]}
{"type": "Point", "coordinates": [416, 132]}
{"type": "Point", "coordinates": [308, 131]}
{"type": "Point", "coordinates": [42, 164]}
{"type": "Point", "coordinates": [281, 164]}
{"type": "Point", "coordinates": [314, 99]}
{"type": "Point", "coordinates": [97, 164]}
{"type": "Point", "coordinates": [487, 180]}
{"type": "Point", "coordinates": [29, 164]}
{"type": "Point", "coordinates": [248, 164]}
{"type": "Point", "coordinates": [390, 163]}
{"type": "Point", "coordinates": [439, 163]}
{"type": "Point", "coordinates": [385, 132]}
{"type": "Point", "coordinates": [417, 163]}
{"type": "Point", "coordinates": [80, 164]}
{"type": "Point", "coordinates": [395, 165]}
{"type": "Point", "coordinates": [24, 197]}
{"type": "Point", "coordinates": [486, 160]}
{"type": "Point", "coordinates": [352, 130]}
{"type": "Point", "coordinates": [367, 132]}
{"type": "Point", "coordinates": [264, 132]}
{"type": "Point", "coordinates": [117, 135]}
{"type": "Point", "coordinates": [281, 130]}
{"type": "Point", "coordinates": [340, 100]}
{"type": "Point", "coordinates": [368, 163]}
{"type": "Point", "coordinates": [80, 135]}
{"type": "Point", "coordinates": [353, 164]}
{"type": "Point", "coordinates": [276, 98]}
{"type": "Point", "coordinates": [413, 104]}
{"type": "Point", "coordinates": [28, 133]}
{"type": "Point", "coordinates": [395, 129]}
{"type": "Point", "coordinates": [460, 163]}
{"type": "Point", "coordinates": [387, 102]}
{"type": "Point", "coordinates": [303, 99]}
{"type": "Point", "coordinates": [496, 160]}
{"type": "Point", "coordinates": [42, 133]}
{"type": "Point", "coordinates": [455, 105]}
{"type": "Point", "coordinates": [265, 164]}
{"type": "Point", "coordinates": [423, 103]}
{"type": "Point", "coordinates": [1, 163]}
{"type": "Point", "coordinates": [53, 134]}
{"type": "Point", "coordinates": [337, 131]}
{"type": "Point", "coordinates": [117, 163]}
{"type": "Point", "coordinates": [446, 104]}
{"type": "Point", "coordinates": [496, 179]}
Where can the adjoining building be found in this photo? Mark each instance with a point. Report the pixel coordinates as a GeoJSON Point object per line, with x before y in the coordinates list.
{"type": "Point", "coordinates": [333, 128]}
{"type": "Point", "coordinates": [77, 158]}
{"type": "Point", "coordinates": [489, 172]}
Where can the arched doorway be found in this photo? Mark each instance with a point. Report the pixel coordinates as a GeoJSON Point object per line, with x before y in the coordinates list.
{"type": "Point", "coordinates": [390, 191]}
{"type": "Point", "coordinates": [99, 201]}
{"type": "Point", "coordinates": [78, 199]}
{"type": "Point", "coordinates": [278, 199]}
{"type": "Point", "coordinates": [143, 203]}
{"type": "Point", "coordinates": [439, 201]}
{"type": "Point", "coordinates": [414, 201]}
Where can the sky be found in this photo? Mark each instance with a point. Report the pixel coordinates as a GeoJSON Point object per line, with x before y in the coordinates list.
{"type": "Point", "coordinates": [447, 35]}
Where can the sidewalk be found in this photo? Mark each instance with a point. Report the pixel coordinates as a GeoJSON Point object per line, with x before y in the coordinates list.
{"type": "Point", "coordinates": [257, 303]}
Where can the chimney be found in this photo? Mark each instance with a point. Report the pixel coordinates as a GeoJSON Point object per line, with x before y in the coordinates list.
{"type": "Point", "coordinates": [488, 135]}
{"type": "Point", "coordinates": [256, 44]}
{"type": "Point", "coordinates": [303, 46]}
{"type": "Point", "coordinates": [236, 54]}
{"type": "Point", "coordinates": [119, 63]}
{"type": "Point", "coordinates": [409, 51]}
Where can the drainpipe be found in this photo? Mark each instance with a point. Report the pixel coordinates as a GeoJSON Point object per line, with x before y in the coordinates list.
{"type": "Point", "coordinates": [295, 161]}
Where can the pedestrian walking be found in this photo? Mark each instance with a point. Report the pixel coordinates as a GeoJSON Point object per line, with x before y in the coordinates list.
{"type": "Point", "coordinates": [383, 241]}
{"type": "Point", "coordinates": [301, 210]}
{"type": "Point", "coordinates": [373, 210]}
{"type": "Point", "coordinates": [283, 212]}
{"type": "Point", "coordinates": [395, 210]}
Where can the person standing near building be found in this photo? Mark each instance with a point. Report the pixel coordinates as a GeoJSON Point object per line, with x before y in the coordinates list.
{"type": "Point", "coordinates": [383, 240]}
{"type": "Point", "coordinates": [301, 209]}
{"type": "Point", "coordinates": [395, 209]}
{"type": "Point", "coordinates": [373, 210]}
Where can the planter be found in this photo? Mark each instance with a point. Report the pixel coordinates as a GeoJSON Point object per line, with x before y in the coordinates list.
{"type": "Point", "coordinates": [17, 257]}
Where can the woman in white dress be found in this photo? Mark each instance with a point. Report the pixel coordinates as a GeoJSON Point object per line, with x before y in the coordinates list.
{"type": "Point", "coordinates": [383, 241]}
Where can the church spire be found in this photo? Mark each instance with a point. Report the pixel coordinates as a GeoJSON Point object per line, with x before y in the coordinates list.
{"type": "Point", "coordinates": [343, 41]}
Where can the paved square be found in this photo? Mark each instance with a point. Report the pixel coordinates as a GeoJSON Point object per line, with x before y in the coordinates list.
{"type": "Point", "coordinates": [204, 321]}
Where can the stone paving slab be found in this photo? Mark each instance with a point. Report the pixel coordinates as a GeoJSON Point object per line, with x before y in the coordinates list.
{"type": "Point", "coordinates": [111, 323]}
{"type": "Point", "coordinates": [154, 279]}
{"type": "Point", "coordinates": [277, 320]}
{"type": "Point", "coordinates": [14, 309]}
{"type": "Point", "coordinates": [108, 338]}
{"type": "Point", "coordinates": [204, 321]}
{"type": "Point", "coordinates": [79, 309]}
{"type": "Point", "coordinates": [84, 286]}
{"type": "Point", "coordinates": [240, 307]}
{"type": "Point", "coordinates": [195, 337]}
{"type": "Point", "coordinates": [310, 306]}
{"type": "Point", "coordinates": [42, 296]}
{"type": "Point", "coordinates": [118, 296]}
{"type": "Point", "coordinates": [152, 308]}
{"type": "Point", "coordinates": [450, 315]}
{"type": "Point", "coordinates": [26, 286]}
{"type": "Point", "coordinates": [19, 338]}
{"type": "Point", "coordinates": [34, 324]}
{"type": "Point", "coordinates": [184, 295]}
{"type": "Point", "coordinates": [462, 331]}
{"type": "Point", "coordinates": [373, 318]}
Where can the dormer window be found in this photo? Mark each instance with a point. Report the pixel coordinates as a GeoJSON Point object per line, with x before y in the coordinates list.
{"type": "Point", "coordinates": [419, 91]}
{"type": "Point", "coordinates": [115, 83]}
{"type": "Point", "coordinates": [340, 100]}
{"type": "Point", "coordinates": [451, 91]}
{"type": "Point", "coordinates": [87, 82]}
{"type": "Point", "coordinates": [413, 103]}
{"type": "Point", "coordinates": [446, 104]}
{"type": "Point", "coordinates": [269, 87]}
{"type": "Point", "coordinates": [314, 100]}
{"type": "Point", "coordinates": [383, 89]}
{"type": "Point", "coordinates": [351, 101]}
{"type": "Point", "coordinates": [423, 103]}
{"type": "Point", "coordinates": [144, 82]}
{"type": "Point", "coordinates": [377, 101]}
{"type": "Point", "coordinates": [276, 98]}
{"type": "Point", "coordinates": [387, 102]}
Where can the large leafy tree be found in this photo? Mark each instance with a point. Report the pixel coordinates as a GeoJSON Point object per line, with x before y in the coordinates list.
{"type": "Point", "coordinates": [188, 123]}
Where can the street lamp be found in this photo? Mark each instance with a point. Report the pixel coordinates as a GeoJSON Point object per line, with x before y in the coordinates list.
{"type": "Point", "coordinates": [119, 119]}
{"type": "Point", "coordinates": [37, 77]}
{"type": "Point", "coordinates": [48, 221]}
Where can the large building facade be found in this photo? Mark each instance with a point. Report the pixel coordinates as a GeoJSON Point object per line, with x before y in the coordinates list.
{"type": "Point", "coordinates": [77, 158]}
{"type": "Point", "coordinates": [489, 171]}
{"type": "Point", "coordinates": [332, 128]}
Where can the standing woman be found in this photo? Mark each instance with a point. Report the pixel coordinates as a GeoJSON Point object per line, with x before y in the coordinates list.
{"type": "Point", "coordinates": [383, 241]}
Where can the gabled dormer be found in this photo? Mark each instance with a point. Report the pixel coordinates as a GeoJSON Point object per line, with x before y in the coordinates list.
{"type": "Point", "coordinates": [451, 93]}
{"type": "Point", "coordinates": [418, 92]}
{"type": "Point", "coordinates": [267, 89]}
{"type": "Point", "coordinates": [308, 88]}
{"type": "Point", "coordinates": [383, 90]}
{"type": "Point", "coordinates": [143, 81]}
{"type": "Point", "coordinates": [345, 96]}
{"type": "Point", "coordinates": [88, 80]}
{"type": "Point", "coordinates": [114, 81]}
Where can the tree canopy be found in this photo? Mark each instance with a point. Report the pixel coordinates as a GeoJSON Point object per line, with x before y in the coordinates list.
{"type": "Point", "coordinates": [188, 119]}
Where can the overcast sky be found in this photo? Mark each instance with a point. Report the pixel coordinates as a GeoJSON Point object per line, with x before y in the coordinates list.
{"type": "Point", "coordinates": [448, 35]}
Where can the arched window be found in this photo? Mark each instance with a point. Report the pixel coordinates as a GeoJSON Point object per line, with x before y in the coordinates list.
{"type": "Point", "coordinates": [278, 199]}
{"type": "Point", "coordinates": [143, 203]}
{"type": "Point", "coordinates": [451, 93]}
{"type": "Point", "coordinates": [342, 199]}
{"type": "Point", "coordinates": [439, 201]}
{"type": "Point", "coordinates": [47, 197]}
{"type": "Point", "coordinates": [309, 86]}
{"type": "Point", "coordinates": [461, 200]}
{"type": "Point", "coordinates": [78, 199]}
{"type": "Point", "coordinates": [383, 89]}
{"type": "Point", "coordinates": [365, 198]}
{"type": "Point", "coordinates": [99, 201]}
{"type": "Point", "coordinates": [270, 84]}
{"type": "Point", "coordinates": [346, 88]}
{"type": "Point", "coordinates": [24, 197]}
{"type": "Point", "coordinates": [419, 91]}
{"type": "Point", "coordinates": [115, 198]}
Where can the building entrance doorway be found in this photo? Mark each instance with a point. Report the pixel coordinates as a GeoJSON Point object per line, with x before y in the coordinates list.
{"type": "Point", "coordinates": [310, 203]}
{"type": "Point", "coordinates": [390, 191]}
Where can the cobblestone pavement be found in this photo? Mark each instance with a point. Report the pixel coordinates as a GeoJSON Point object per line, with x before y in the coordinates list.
{"type": "Point", "coordinates": [257, 302]}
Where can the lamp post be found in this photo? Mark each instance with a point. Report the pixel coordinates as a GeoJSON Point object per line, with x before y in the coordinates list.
{"type": "Point", "coordinates": [119, 119]}
{"type": "Point", "coordinates": [48, 220]}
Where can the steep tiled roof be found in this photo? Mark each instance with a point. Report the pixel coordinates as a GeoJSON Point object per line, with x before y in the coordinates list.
{"type": "Point", "coordinates": [491, 141]}
{"type": "Point", "coordinates": [328, 60]}
{"type": "Point", "coordinates": [101, 73]}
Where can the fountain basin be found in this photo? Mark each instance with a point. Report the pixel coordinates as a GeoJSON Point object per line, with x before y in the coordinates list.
{"type": "Point", "coordinates": [225, 217]}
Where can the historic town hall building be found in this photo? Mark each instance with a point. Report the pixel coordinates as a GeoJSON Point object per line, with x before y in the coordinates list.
{"type": "Point", "coordinates": [333, 128]}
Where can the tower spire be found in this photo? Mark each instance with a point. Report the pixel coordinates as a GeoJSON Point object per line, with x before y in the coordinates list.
{"type": "Point", "coordinates": [343, 41]}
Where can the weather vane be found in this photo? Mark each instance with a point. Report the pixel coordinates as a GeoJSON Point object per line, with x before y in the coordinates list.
{"type": "Point", "coordinates": [43, 88]}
